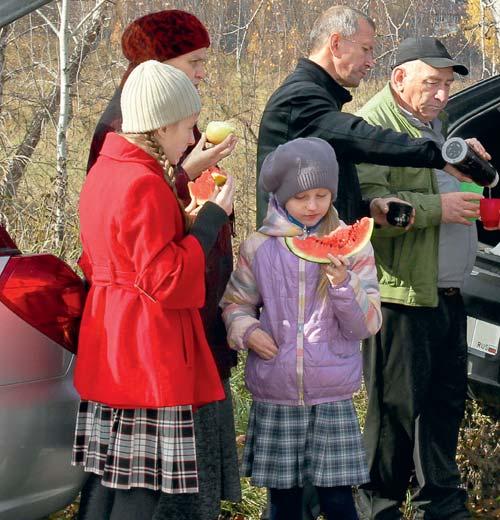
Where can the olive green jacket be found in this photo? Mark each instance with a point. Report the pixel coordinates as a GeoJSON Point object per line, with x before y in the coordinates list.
{"type": "Point", "coordinates": [407, 261]}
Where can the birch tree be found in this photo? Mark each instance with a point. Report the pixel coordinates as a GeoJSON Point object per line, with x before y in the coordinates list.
{"type": "Point", "coordinates": [495, 13]}
{"type": "Point", "coordinates": [62, 126]}
{"type": "Point", "coordinates": [63, 34]}
{"type": "Point", "coordinates": [4, 35]}
{"type": "Point", "coordinates": [84, 38]}
{"type": "Point", "coordinates": [482, 27]}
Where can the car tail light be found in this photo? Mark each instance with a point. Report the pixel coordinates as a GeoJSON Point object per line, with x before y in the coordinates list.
{"type": "Point", "coordinates": [46, 293]}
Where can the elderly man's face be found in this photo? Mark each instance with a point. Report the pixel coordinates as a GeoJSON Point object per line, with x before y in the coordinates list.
{"type": "Point", "coordinates": [425, 89]}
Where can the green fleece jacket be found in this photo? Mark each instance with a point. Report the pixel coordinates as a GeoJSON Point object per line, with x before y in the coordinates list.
{"type": "Point", "coordinates": [407, 261]}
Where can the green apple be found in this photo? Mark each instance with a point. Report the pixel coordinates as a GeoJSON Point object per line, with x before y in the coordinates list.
{"type": "Point", "coordinates": [217, 131]}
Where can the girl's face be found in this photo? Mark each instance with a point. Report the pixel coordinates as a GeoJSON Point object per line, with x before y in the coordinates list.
{"type": "Point", "coordinates": [174, 139]}
{"type": "Point", "coordinates": [309, 207]}
{"type": "Point", "coordinates": [192, 64]}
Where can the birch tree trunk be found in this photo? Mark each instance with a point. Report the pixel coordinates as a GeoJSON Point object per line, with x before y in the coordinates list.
{"type": "Point", "coordinates": [48, 106]}
{"type": "Point", "coordinates": [483, 44]}
{"type": "Point", "coordinates": [62, 127]}
{"type": "Point", "coordinates": [4, 33]}
{"type": "Point", "coordinates": [495, 12]}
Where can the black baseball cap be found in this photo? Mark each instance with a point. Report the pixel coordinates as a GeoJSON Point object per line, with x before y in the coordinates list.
{"type": "Point", "coordinates": [429, 50]}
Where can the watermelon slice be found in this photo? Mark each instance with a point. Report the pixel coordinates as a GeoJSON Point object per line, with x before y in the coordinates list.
{"type": "Point", "coordinates": [344, 241]}
{"type": "Point", "coordinates": [204, 187]}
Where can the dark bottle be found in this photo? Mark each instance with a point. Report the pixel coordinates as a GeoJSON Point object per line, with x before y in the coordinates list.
{"type": "Point", "coordinates": [458, 153]}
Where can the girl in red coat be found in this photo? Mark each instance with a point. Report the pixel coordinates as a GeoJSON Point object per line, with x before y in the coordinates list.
{"type": "Point", "coordinates": [179, 38]}
{"type": "Point", "coordinates": [143, 361]}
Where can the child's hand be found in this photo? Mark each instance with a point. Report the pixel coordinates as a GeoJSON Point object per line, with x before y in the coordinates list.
{"type": "Point", "coordinates": [224, 196]}
{"type": "Point", "coordinates": [202, 157]}
{"type": "Point", "coordinates": [336, 272]}
{"type": "Point", "coordinates": [262, 344]}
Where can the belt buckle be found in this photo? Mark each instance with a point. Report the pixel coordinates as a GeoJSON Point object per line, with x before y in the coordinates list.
{"type": "Point", "coordinates": [450, 291]}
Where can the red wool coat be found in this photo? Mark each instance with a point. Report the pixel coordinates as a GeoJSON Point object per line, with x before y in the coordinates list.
{"type": "Point", "coordinates": [141, 341]}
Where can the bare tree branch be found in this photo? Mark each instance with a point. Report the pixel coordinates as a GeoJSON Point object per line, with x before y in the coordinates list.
{"type": "Point", "coordinates": [17, 164]}
{"type": "Point", "coordinates": [54, 29]}
{"type": "Point", "coordinates": [89, 15]}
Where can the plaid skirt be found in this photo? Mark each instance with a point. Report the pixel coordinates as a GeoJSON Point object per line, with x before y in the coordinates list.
{"type": "Point", "coordinates": [142, 447]}
{"type": "Point", "coordinates": [288, 446]}
{"type": "Point", "coordinates": [217, 461]}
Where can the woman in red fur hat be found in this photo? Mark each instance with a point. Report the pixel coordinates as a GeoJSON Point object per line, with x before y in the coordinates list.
{"type": "Point", "coordinates": [179, 39]}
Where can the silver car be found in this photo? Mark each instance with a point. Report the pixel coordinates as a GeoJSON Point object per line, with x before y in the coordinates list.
{"type": "Point", "coordinates": [41, 300]}
{"type": "Point", "coordinates": [40, 305]}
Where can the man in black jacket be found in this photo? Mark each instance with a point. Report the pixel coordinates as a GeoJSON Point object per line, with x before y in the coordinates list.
{"type": "Point", "coordinates": [310, 101]}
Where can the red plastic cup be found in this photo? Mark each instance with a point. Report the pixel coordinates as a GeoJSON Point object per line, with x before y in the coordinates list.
{"type": "Point", "coordinates": [489, 210]}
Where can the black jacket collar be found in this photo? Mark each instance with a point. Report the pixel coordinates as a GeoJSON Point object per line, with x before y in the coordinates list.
{"type": "Point", "coordinates": [318, 75]}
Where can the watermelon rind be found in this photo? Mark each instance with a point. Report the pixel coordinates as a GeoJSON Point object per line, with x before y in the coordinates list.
{"type": "Point", "coordinates": [319, 247]}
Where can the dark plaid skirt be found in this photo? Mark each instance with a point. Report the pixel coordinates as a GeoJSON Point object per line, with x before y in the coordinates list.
{"type": "Point", "coordinates": [217, 461]}
{"type": "Point", "coordinates": [148, 448]}
{"type": "Point", "coordinates": [288, 446]}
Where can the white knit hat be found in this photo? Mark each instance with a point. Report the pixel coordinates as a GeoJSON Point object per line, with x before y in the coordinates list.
{"type": "Point", "coordinates": [156, 95]}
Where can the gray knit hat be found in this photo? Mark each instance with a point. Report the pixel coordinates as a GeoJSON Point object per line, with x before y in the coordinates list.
{"type": "Point", "coordinates": [299, 165]}
{"type": "Point", "coordinates": [156, 95]}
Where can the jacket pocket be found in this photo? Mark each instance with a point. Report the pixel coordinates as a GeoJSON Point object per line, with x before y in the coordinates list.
{"type": "Point", "coordinates": [269, 379]}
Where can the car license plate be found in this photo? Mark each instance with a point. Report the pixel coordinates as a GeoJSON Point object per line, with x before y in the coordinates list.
{"type": "Point", "coordinates": [485, 337]}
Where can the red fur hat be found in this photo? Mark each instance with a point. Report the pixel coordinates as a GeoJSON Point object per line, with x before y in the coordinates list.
{"type": "Point", "coordinates": [163, 35]}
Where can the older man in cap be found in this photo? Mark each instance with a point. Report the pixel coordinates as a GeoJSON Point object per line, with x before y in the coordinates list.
{"type": "Point", "coordinates": [415, 368]}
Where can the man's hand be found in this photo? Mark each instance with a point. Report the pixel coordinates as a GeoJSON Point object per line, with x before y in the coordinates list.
{"type": "Point", "coordinates": [478, 148]}
{"type": "Point", "coordinates": [202, 158]}
{"type": "Point", "coordinates": [262, 344]}
{"type": "Point", "coordinates": [457, 207]}
{"type": "Point", "coordinates": [379, 210]}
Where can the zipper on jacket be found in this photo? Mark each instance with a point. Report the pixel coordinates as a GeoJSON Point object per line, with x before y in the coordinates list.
{"type": "Point", "coordinates": [300, 330]}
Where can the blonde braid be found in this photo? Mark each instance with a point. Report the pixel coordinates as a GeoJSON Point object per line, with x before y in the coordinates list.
{"type": "Point", "coordinates": [329, 223]}
{"type": "Point", "coordinates": [150, 145]}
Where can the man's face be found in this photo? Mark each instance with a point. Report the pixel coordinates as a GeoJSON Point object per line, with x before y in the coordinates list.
{"type": "Point", "coordinates": [425, 90]}
{"type": "Point", "coordinates": [354, 56]}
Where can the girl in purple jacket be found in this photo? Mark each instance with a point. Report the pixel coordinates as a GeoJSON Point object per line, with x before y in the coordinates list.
{"type": "Point", "coordinates": [302, 324]}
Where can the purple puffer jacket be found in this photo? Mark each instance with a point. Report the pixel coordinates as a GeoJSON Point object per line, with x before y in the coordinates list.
{"type": "Point", "coordinates": [318, 338]}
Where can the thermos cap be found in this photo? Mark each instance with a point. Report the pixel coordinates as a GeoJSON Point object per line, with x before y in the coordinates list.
{"type": "Point", "coordinates": [454, 150]}
{"type": "Point", "coordinates": [457, 152]}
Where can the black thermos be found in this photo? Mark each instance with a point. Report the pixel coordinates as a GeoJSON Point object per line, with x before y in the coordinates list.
{"type": "Point", "coordinates": [458, 153]}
